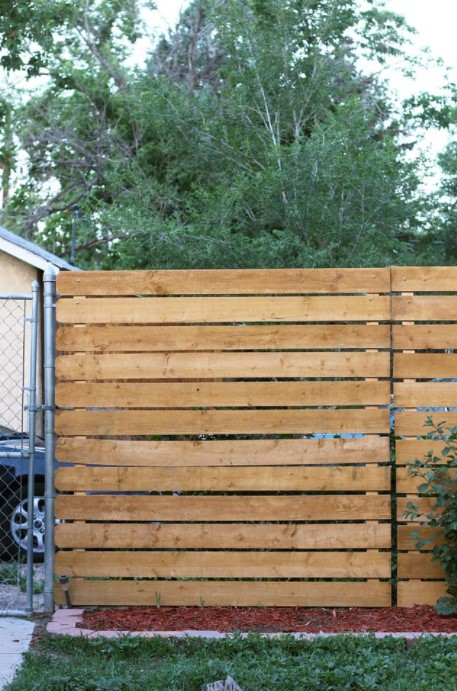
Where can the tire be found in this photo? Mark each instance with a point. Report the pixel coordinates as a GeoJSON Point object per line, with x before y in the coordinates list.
{"type": "Point", "coordinates": [14, 524]}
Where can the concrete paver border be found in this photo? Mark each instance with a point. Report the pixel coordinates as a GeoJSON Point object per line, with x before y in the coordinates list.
{"type": "Point", "coordinates": [64, 622]}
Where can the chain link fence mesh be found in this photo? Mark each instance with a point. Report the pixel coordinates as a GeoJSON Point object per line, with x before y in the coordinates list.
{"type": "Point", "coordinates": [15, 344]}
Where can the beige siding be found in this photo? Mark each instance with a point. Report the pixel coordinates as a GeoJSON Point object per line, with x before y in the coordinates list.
{"type": "Point", "coordinates": [16, 276]}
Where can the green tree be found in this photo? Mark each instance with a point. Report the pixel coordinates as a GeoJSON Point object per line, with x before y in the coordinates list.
{"type": "Point", "coordinates": [281, 152]}
{"type": "Point", "coordinates": [68, 128]}
{"type": "Point", "coordinates": [251, 139]}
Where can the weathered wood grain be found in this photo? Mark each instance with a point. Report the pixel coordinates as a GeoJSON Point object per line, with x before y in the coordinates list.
{"type": "Point", "coordinates": [81, 535]}
{"type": "Point", "coordinates": [235, 593]}
{"type": "Point", "coordinates": [425, 365]}
{"type": "Point", "coordinates": [431, 279]}
{"type": "Point", "coordinates": [424, 308]}
{"type": "Point", "coordinates": [137, 338]}
{"type": "Point", "coordinates": [224, 282]}
{"type": "Point", "coordinates": [222, 508]}
{"type": "Point", "coordinates": [418, 565]}
{"type": "Point", "coordinates": [416, 592]}
{"type": "Point", "coordinates": [146, 366]}
{"type": "Point", "coordinates": [169, 422]}
{"type": "Point", "coordinates": [418, 394]}
{"type": "Point", "coordinates": [186, 310]}
{"type": "Point", "coordinates": [214, 564]}
{"type": "Point", "coordinates": [236, 452]}
{"type": "Point", "coordinates": [424, 336]}
{"type": "Point", "coordinates": [235, 479]}
{"type": "Point", "coordinates": [226, 394]}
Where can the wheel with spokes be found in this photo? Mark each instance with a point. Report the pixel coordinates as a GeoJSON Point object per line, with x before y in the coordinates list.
{"type": "Point", "coordinates": [16, 517]}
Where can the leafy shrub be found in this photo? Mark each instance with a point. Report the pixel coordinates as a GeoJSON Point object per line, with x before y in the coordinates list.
{"type": "Point", "coordinates": [439, 481]}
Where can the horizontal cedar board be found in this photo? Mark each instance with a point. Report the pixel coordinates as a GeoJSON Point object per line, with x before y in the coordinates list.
{"type": "Point", "coordinates": [424, 308]}
{"type": "Point", "coordinates": [424, 336]}
{"type": "Point", "coordinates": [408, 484]}
{"type": "Point", "coordinates": [424, 278]}
{"type": "Point", "coordinates": [416, 394]}
{"type": "Point", "coordinates": [156, 422]}
{"type": "Point", "coordinates": [418, 565]}
{"type": "Point", "coordinates": [221, 365]}
{"type": "Point", "coordinates": [407, 450]}
{"type": "Point", "coordinates": [237, 452]}
{"type": "Point", "coordinates": [411, 422]}
{"type": "Point", "coordinates": [423, 504]}
{"type": "Point", "coordinates": [229, 593]}
{"type": "Point", "coordinates": [226, 394]}
{"type": "Point", "coordinates": [406, 541]}
{"type": "Point", "coordinates": [247, 564]}
{"type": "Point", "coordinates": [224, 282]}
{"type": "Point", "coordinates": [228, 337]}
{"type": "Point", "coordinates": [222, 309]}
{"type": "Point", "coordinates": [222, 508]}
{"type": "Point", "coordinates": [223, 536]}
{"type": "Point", "coordinates": [415, 592]}
{"type": "Point", "coordinates": [425, 365]}
{"type": "Point", "coordinates": [210, 479]}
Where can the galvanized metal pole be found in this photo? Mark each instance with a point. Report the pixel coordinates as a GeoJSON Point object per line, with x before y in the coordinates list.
{"type": "Point", "coordinates": [32, 433]}
{"type": "Point", "coordinates": [49, 294]}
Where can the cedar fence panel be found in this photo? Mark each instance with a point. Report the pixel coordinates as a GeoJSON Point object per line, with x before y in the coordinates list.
{"type": "Point", "coordinates": [424, 339]}
{"type": "Point", "coordinates": [174, 386]}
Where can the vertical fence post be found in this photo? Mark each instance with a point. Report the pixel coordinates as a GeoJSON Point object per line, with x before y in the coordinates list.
{"type": "Point", "coordinates": [32, 433]}
{"type": "Point", "coordinates": [49, 292]}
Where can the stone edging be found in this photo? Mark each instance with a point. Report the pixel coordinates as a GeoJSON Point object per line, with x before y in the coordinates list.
{"type": "Point", "coordinates": [64, 621]}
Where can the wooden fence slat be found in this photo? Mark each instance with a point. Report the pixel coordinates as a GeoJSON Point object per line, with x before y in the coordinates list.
{"type": "Point", "coordinates": [408, 450]}
{"type": "Point", "coordinates": [229, 593]}
{"type": "Point", "coordinates": [424, 279]}
{"type": "Point", "coordinates": [425, 365]}
{"type": "Point", "coordinates": [224, 282]}
{"type": "Point", "coordinates": [236, 479]}
{"type": "Point", "coordinates": [414, 394]}
{"type": "Point", "coordinates": [405, 540]}
{"type": "Point", "coordinates": [222, 309]}
{"type": "Point", "coordinates": [424, 308]}
{"type": "Point", "coordinates": [223, 536]}
{"type": "Point", "coordinates": [407, 483]}
{"type": "Point", "coordinates": [144, 366]}
{"type": "Point", "coordinates": [423, 504]}
{"type": "Point", "coordinates": [281, 421]}
{"type": "Point", "coordinates": [222, 508]}
{"type": "Point", "coordinates": [227, 394]}
{"type": "Point", "coordinates": [418, 565]}
{"type": "Point", "coordinates": [247, 564]}
{"type": "Point", "coordinates": [237, 452]}
{"type": "Point", "coordinates": [415, 592]}
{"type": "Point", "coordinates": [411, 422]}
{"type": "Point", "coordinates": [424, 336]}
{"type": "Point", "coordinates": [228, 337]}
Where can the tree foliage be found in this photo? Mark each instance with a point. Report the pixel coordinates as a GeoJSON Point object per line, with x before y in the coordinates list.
{"type": "Point", "coordinates": [251, 138]}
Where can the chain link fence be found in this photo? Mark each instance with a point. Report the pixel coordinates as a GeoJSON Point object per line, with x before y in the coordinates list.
{"type": "Point", "coordinates": [21, 460]}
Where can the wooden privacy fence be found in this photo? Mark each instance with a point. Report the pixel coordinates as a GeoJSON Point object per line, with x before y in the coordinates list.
{"type": "Point", "coordinates": [230, 432]}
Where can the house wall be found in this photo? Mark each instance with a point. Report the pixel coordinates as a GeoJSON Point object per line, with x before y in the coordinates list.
{"type": "Point", "coordinates": [16, 277]}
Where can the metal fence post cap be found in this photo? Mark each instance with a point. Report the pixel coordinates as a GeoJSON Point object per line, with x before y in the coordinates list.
{"type": "Point", "coordinates": [50, 272]}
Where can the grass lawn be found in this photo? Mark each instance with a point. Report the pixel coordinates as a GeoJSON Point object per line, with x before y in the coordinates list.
{"type": "Point", "coordinates": [62, 663]}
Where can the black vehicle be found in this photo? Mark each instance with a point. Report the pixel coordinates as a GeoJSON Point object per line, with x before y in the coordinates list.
{"type": "Point", "coordinates": [14, 503]}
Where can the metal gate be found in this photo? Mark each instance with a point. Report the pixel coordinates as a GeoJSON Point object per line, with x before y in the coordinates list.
{"type": "Point", "coordinates": [22, 467]}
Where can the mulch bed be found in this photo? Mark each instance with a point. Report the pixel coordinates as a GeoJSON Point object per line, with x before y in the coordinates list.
{"type": "Point", "coordinates": [421, 618]}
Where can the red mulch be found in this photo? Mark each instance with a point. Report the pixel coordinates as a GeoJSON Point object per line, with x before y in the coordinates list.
{"type": "Point", "coordinates": [269, 619]}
